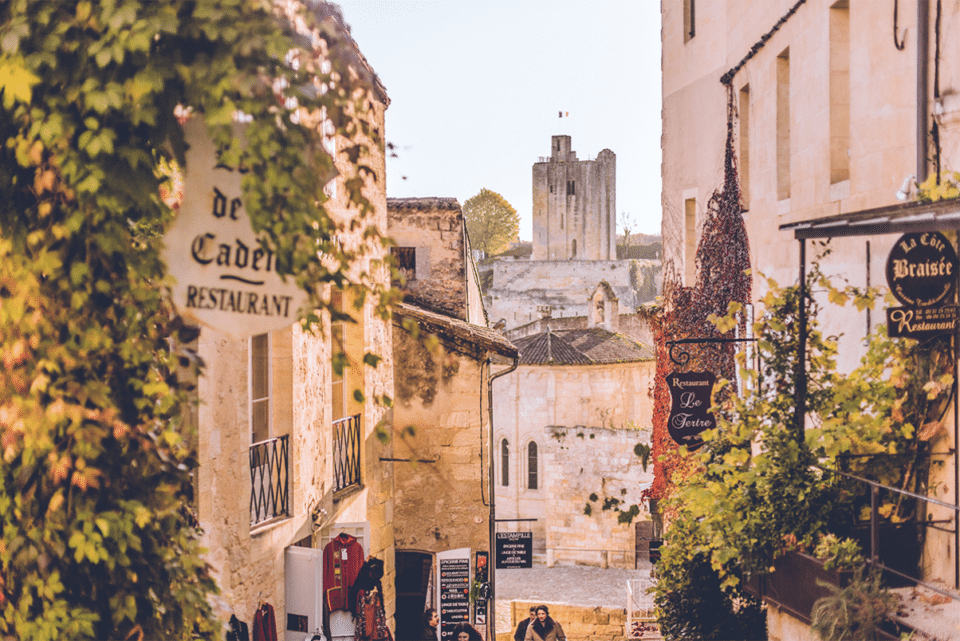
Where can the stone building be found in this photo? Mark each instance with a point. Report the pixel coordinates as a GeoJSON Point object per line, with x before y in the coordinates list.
{"type": "Point", "coordinates": [444, 357]}
{"type": "Point", "coordinates": [566, 425]}
{"type": "Point", "coordinates": [574, 245]}
{"type": "Point", "coordinates": [288, 455]}
{"type": "Point", "coordinates": [574, 205]}
{"type": "Point", "coordinates": [834, 125]}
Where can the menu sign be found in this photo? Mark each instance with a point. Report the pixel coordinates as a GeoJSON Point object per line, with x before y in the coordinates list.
{"type": "Point", "coordinates": [514, 550]}
{"type": "Point", "coordinates": [483, 593]}
{"type": "Point", "coordinates": [922, 270]}
{"type": "Point", "coordinates": [225, 279]}
{"type": "Point", "coordinates": [690, 393]}
{"type": "Point", "coordinates": [454, 593]}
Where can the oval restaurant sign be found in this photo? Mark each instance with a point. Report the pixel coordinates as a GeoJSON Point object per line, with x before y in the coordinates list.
{"type": "Point", "coordinates": [690, 392]}
{"type": "Point", "coordinates": [225, 279]}
{"type": "Point", "coordinates": [922, 269]}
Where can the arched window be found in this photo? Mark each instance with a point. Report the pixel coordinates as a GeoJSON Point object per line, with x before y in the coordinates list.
{"type": "Point", "coordinates": [532, 466]}
{"type": "Point", "coordinates": [573, 248]}
{"type": "Point", "coordinates": [504, 463]}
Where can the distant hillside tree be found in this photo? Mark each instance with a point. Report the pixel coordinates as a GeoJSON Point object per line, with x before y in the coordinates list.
{"type": "Point", "coordinates": [492, 222]}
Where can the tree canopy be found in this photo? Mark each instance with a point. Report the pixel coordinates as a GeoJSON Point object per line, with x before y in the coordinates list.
{"type": "Point", "coordinates": [492, 222]}
{"type": "Point", "coordinates": [98, 539]}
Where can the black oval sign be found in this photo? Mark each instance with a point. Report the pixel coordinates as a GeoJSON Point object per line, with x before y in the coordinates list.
{"type": "Point", "coordinates": [689, 415]}
{"type": "Point", "coordinates": [922, 269]}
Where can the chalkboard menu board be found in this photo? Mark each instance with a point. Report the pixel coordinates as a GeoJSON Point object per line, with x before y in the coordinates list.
{"type": "Point", "coordinates": [514, 550]}
{"type": "Point", "coordinates": [454, 595]}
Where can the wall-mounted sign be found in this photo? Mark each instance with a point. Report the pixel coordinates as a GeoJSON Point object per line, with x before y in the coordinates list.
{"type": "Point", "coordinates": [689, 416]}
{"type": "Point", "coordinates": [454, 582]}
{"type": "Point", "coordinates": [922, 269]}
{"type": "Point", "coordinates": [481, 578]}
{"type": "Point", "coordinates": [514, 550]}
{"type": "Point", "coordinates": [921, 323]}
{"type": "Point", "coordinates": [225, 279]}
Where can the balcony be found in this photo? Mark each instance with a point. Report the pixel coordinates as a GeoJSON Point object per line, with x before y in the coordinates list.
{"type": "Point", "coordinates": [346, 453]}
{"type": "Point", "coordinates": [269, 479]}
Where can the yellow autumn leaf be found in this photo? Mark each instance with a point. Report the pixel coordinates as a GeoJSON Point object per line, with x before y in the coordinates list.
{"type": "Point", "coordinates": [16, 83]}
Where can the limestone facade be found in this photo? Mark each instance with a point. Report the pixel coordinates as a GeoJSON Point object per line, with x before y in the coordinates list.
{"type": "Point", "coordinates": [267, 406]}
{"type": "Point", "coordinates": [566, 425]}
{"type": "Point", "coordinates": [826, 121]}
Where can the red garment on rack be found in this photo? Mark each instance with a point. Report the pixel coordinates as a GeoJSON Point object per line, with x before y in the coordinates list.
{"type": "Point", "coordinates": [342, 560]}
{"type": "Point", "coordinates": [264, 624]}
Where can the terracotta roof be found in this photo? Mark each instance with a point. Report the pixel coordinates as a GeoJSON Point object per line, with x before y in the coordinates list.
{"type": "Point", "coordinates": [427, 203]}
{"type": "Point", "coordinates": [580, 347]}
{"type": "Point", "coordinates": [471, 338]}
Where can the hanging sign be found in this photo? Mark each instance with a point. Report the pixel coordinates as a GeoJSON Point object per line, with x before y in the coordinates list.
{"type": "Point", "coordinates": [225, 279]}
{"type": "Point", "coordinates": [514, 550]}
{"type": "Point", "coordinates": [922, 270]}
{"type": "Point", "coordinates": [689, 415]}
{"type": "Point", "coordinates": [921, 323]}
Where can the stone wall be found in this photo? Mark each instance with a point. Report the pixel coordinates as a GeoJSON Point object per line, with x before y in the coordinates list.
{"type": "Point", "coordinates": [579, 623]}
{"type": "Point", "coordinates": [521, 288]}
{"type": "Point", "coordinates": [440, 506]}
{"type": "Point", "coordinates": [549, 406]}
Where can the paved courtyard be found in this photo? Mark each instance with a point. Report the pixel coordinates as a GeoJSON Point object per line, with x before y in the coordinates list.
{"type": "Point", "coordinates": [566, 584]}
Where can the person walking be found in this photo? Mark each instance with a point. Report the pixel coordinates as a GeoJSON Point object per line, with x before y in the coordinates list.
{"type": "Point", "coordinates": [521, 632]}
{"type": "Point", "coordinates": [544, 628]}
{"type": "Point", "coordinates": [430, 622]}
{"type": "Point", "coordinates": [466, 632]}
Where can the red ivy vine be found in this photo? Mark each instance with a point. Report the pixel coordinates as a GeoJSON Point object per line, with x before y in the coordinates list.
{"type": "Point", "coordinates": [723, 263]}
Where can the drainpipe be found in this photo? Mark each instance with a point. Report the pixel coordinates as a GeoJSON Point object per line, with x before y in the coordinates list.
{"type": "Point", "coordinates": [923, 29]}
{"type": "Point", "coordinates": [492, 610]}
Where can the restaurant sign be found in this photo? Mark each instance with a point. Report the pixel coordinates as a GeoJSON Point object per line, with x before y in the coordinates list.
{"type": "Point", "coordinates": [689, 416]}
{"type": "Point", "coordinates": [922, 270]}
{"type": "Point", "coordinates": [921, 323]}
{"type": "Point", "coordinates": [225, 279]}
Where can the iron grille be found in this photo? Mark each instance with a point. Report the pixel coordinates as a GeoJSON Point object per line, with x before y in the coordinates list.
{"type": "Point", "coordinates": [269, 479]}
{"type": "Point", "coordinates": [346, 452]}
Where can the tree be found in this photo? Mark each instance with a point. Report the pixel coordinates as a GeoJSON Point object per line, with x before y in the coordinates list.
{"type": "Point", "coordinates": [627, 224]}
{"type": "Point", "coordinates": [97, 538]}
{"type": "Point", "coordinates": [492, 222]}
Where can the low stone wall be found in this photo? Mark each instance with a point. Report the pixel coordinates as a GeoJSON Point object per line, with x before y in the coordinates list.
{"type": "Point", "coordinates": [579, 623]}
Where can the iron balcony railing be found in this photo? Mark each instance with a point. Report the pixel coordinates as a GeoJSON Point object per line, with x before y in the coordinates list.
{"type": "Point", "coordinates": [269, 479]}
{"type": "Point", "coordinates": [346, 452]}
{"type": "Point", "coordinates": [873, 548]}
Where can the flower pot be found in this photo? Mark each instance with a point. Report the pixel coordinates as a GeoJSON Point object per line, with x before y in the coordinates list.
{"type": "Point", "coordinates": [795, 585]}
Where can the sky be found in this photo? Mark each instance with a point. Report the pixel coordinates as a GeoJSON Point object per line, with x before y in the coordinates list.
{"type": "Point", "coordinates": [476, 87]}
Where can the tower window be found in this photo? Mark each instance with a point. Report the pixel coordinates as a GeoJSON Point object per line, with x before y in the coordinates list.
{"type": "Point", "coordinates": [532, 481]}
{"type": "Point", "coordinates": [504, 463]}
{"type": "Point", "coordinates": [571, 188]}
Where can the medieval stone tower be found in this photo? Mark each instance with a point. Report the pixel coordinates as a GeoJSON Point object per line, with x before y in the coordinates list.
{"type": "Point", "coordinates": [574, 205]}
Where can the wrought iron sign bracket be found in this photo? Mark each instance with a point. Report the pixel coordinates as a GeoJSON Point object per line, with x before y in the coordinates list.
{"type": "Point", "coordinates": [683, 357]}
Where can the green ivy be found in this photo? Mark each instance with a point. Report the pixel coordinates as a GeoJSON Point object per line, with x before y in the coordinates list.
{"type": "Point", "coordinates": [97, 538]}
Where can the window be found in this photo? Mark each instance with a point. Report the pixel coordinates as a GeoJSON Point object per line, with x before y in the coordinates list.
{"type": "Point", "coordinates": [573, 248]}
{"type": "Point", "coordinates": [532, 466]}
{"type": "Point", "coordinates": [839, 92]}
{"type": "Point", "coordinates": [338, 360]}
{"type": "Point", "coordinates": [689, 20]}
{"type": "Point", "coordinates": [690, 242]}
{"type": "Point", "coordinates": [783, 125]}
{"type": "Point", "coordinates": [744, 164]}
{"type": "Point", "coordinates": [504, 463]}
{"type": "Point", "coordinates": [571, 188]}
{"type": "Point", "coordinates": [260, 387]}
{"type": "Point", "coordinates": [406, 261]}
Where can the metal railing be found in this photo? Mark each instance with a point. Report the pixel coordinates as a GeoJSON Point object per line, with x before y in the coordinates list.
{"type": "Point", "coordinates": [641, 622]}
{"type": "Point", "coordinates": [874, 532]}
{"type": "Point", "coordinates": [346, 452]}
{"type": "Point", "coordinates": [269, 479]}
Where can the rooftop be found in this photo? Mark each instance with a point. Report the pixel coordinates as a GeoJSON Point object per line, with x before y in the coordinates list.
{"type": "Point", "coordinates": [591, 346]}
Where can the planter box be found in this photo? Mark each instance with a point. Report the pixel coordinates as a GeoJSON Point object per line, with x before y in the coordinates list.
{"type": "Point", "coordinates": [793, 586]}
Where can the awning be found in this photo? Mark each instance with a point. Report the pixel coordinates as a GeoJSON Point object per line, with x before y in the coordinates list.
{"type": "Point", "coordinates": [942, 215]}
